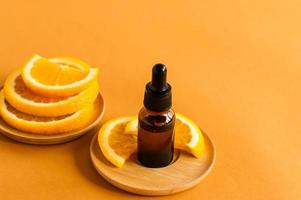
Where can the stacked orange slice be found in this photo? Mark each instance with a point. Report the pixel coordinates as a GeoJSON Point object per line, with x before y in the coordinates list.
{"type": "Point", "coordinates": [50, 96]}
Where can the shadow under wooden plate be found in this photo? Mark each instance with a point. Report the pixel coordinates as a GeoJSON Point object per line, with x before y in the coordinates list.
{"type": "Point", "coordinates": [185, 172]}
{"type": "Point", "coordinates": [40, 139]}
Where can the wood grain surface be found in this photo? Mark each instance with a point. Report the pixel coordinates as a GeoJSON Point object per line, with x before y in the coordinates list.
{"type": "Point", "coordinates": [185, 172]}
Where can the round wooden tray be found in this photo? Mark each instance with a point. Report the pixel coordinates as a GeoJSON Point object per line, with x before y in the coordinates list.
{"type": "Point", "coordinates": [185, 172]}
{"type": "Point", "coordinates": [31, 138]}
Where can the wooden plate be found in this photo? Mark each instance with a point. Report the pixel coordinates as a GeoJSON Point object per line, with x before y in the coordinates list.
{"type": "Point", "coordinates": [31, 138]}
{"type": "Point", "coordinates": [185, 172]}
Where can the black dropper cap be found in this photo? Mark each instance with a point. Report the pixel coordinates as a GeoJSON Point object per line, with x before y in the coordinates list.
{"type": "Point", "coordinates": [157, 96]}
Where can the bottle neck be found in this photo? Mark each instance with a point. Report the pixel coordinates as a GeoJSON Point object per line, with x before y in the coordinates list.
{"type": "Point", "coordinates": [152, 112]}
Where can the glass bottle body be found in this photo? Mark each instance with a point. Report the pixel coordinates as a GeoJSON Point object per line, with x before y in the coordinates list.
{"type": "Point", "coordinates": [156, 137]}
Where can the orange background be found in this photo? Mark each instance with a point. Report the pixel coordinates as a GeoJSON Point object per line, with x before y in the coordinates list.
{"type": "Point", "coordinates": [235, 67]}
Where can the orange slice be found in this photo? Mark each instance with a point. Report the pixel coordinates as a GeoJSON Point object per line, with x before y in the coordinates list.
{"type": "Point", "coordinates": [188, 136]}
{"type": "Point", "coordinates": [45, 125]}
{"type": "Point", "coordinates": [116, 146]}
{"type": "Point", "coordinates": [57, 76]}
{"type": "Point", "coordinates": [23, 99]}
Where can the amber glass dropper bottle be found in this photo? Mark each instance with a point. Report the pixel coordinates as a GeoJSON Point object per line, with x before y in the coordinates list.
{"type": "Point", "coordinates": [156, 122]}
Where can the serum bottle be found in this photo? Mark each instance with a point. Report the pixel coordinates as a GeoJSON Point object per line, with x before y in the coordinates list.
{"type": "Point", "coordinates": [156, 122]}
